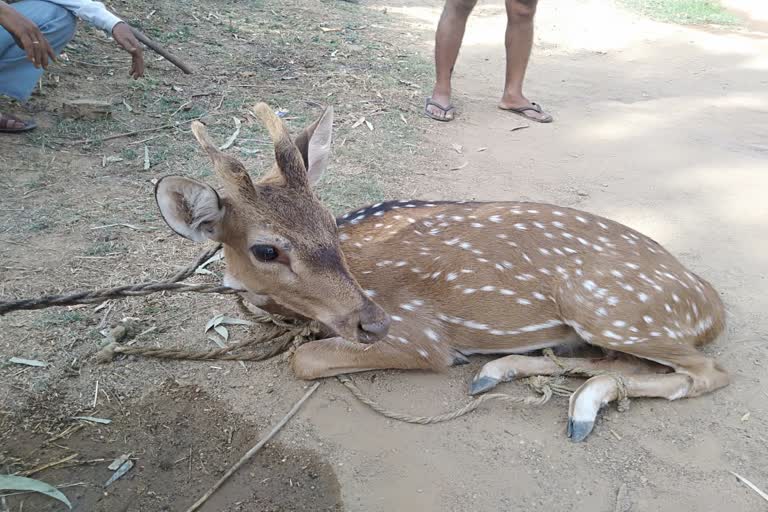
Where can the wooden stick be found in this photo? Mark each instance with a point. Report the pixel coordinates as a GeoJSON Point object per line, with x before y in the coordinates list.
{"type": "Point", "coordinates": [149, 43]}
{"type": "Point", "coordinates": [250, 453]}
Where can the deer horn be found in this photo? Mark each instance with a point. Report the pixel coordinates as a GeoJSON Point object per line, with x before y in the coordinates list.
{"type": "Point", "coordinates": [287, 154]}
{"type": "Point", "coordinates": [229, 169]}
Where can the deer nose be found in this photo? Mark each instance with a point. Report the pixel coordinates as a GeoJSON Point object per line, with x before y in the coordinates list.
{"type": "Point", "coordinates": [373, 324]}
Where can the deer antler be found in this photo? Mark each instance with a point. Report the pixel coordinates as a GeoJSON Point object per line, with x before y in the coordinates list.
{"type": "Point", "coordinates": [287, 154]}
{"type": "Point", "coordinates": [228, 168]}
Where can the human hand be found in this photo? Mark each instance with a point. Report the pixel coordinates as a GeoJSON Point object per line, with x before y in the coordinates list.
{"type": "Point", "coordinates": [125, 38]}
{"type": "Point", "coordinates": [27, 35]}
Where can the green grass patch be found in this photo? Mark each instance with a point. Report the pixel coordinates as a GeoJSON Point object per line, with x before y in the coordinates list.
{"type": "Point", "coordinates": [58, 319]}
{"type": "Point", "coordinates": [685, 12]}
{"type": "Point", "coordinates": [342, 193]}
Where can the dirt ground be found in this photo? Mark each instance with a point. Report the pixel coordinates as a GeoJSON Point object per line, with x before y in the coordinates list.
{"type": "Point", "coordinates": [658, 126]}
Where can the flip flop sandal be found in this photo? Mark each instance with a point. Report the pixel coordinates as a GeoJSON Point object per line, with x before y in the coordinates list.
{"type": "Point", "coordinates": [446, 110]}
{"type": "Point", "coordinates": [5, 125]}
{"type": "Point", "coordinates": [535, 107]}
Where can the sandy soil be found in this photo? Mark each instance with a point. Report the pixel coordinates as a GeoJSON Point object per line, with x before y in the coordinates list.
{"type": "Point", "coordinates": [661, 127]}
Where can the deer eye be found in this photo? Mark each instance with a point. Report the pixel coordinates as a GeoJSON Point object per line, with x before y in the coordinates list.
{"type": "Point", "coordinates": [265, 252]}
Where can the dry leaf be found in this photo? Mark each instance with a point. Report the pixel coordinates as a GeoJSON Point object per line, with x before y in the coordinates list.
{"type": "Point", "coordinates": [457, 148]}
{"type": "Point", "coordinates": [369, 125]}
{"type": "Point", "coordinates": [745, 417]}
{"type": "Point", "coordinates": [520, 128]}
{"type": "Point", "coordinates": [402, 118]}
{"type": "Point", "coordinates": [458, 168]}
{"type": "Point", "coordinates": [103, 421]}
{"type": "Point", "coordinates": [358, 122]}
{"type": "Point", "coordinates": [146, 158]}
{"type": "Point", "coordinates": [480, 150]}
{"type": "Point", "coordinates": [27, 362]}
{"type": "Point", "coordinates": [222, 331]}
{"type": "Point", "coordinates": [327, 29]}
{"type": "Point", "coordinates": [127, 465]}
{"type": "Point", "coordinates": [118, 462]}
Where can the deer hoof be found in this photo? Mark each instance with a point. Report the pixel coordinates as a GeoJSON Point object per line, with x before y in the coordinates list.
{"type": "Point", "coordinates": [481, 384]}
{"type": "Point", "coordinates": [579, 430]}
{"type": "Point", "coordinates": [459, 359]}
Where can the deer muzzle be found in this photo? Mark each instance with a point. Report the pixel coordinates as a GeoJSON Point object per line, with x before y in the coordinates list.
{"type": "Point", "coordinates": [373, 323]}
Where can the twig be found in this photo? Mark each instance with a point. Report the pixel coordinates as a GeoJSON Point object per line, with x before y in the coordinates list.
{"type": "Point", "coordinates": [750, 485]}
{"type": "Point", "coordinates": [250, 453]}
{"type": "Point", "coordinates": [120, 224]}
{"type": "Point", "coordinates": [96, 395]}
{"type": "Point", "coordinates": [622, 500]}
{"type": "Point", "coordinates": [148, 130]}
{"type": "Point", "coordinates": [136, 132]}
{"type": "Point", "coordinates": [38, 469]}
{"type": "Point", "coordinates": [161, 51]}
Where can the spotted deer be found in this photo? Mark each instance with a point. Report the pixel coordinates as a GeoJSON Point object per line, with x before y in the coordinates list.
{"type": "Point", "coordinates": [422, 284]}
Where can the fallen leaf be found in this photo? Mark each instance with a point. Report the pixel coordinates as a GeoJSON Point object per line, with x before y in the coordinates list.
{"type": "Point", "coordinates": [457, 148]}
{"type": "Point", "coordinates": [28, 362]}
{"type": "Point", "coordinates": [103, 421]}
{"type": "Point", "coordinates": [520, 128]}
{"type": "Point", "coordinates": [328, 29]}
{"type": "Point", "coordinates": [458, 168]}
{"type": "Point", "coordinates": [358, 122]}
{"type": "Point", "coordinates": [402, 118]}
{"type": "Point", "coordinates": [369, 125]}
{"type": "Point", "coordinates": [745, 417]}
{"type": "Point", "coordinates": [118, 462]}
{"type": "Point", "coordinates": [234, 321]}
{"type": "Point", "coordinates": [146, 158]}
{"type": "Point", "coordinates": [122, 470]}
{"type": "Point", "coordinates": [222, 331]}
{"type": "Point", "coordinates": [216, 320]}
{"type": "Point", "coordinates": [480, 150]}
{"type": "Point", "coordinates": [21, 483]}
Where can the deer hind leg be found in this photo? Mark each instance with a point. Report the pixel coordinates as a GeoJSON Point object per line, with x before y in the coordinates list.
{"type": "Point", "coordinates": [335, 356]}
{"type": "Point", "coordinates": [694, 374]}
{"type": "Point", "coordinates": [514, 367]}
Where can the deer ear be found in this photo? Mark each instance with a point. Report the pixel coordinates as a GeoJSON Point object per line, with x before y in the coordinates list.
{"type": "Point", "coordinates": [315, 145]}
{"type": "Point", "coordinates": [190, 208]}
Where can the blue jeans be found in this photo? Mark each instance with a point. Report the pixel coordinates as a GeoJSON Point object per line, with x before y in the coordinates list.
{"type": "Point", "coordinates": [18, 76]}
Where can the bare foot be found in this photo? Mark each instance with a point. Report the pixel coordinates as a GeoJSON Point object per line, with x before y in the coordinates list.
{"type": "Point", "coordinates": [521, 106]}
{"type": "Point", "coordinates": [12, 124]}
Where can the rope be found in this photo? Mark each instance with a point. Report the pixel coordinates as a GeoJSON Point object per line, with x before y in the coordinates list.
{"type": "Point", "coordinates": [545, 387]}
{"type": "Point", "coordinates": [172, 285]}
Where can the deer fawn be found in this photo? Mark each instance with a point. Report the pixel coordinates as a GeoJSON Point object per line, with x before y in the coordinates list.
{"type": "Point", "coordinates": [422, 284]}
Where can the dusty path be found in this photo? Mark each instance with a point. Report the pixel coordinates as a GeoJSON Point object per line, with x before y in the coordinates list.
{"type": "Point", "coordinates": [663, 128]}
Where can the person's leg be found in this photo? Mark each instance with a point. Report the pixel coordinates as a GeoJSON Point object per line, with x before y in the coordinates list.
{"type": "Point", "coordinates": [450, 32]}
{"type": "Point", "coordinates": [518, 42]}
{"type": "Point", "coordinates": [18, 76]}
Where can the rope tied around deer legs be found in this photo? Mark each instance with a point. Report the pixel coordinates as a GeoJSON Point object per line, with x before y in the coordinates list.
{"type": "Point", "coordinates": [622, 402]}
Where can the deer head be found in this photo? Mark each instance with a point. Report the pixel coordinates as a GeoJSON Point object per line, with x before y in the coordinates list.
{"type": "Point", "coordinates": [279, 241]}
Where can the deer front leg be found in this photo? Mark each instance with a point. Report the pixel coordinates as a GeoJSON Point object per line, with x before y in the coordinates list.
{"type": "Point", "coordinates": [335, 356]}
